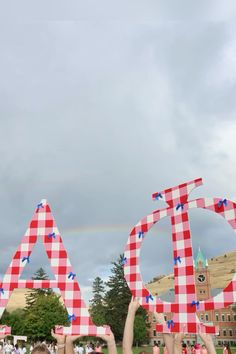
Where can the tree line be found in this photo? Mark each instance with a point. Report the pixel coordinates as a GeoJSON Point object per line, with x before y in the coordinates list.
{"type": "Point", "coordinates": [108, 306]}
{"type": "Point", "coordinates": [110, 302]}
{"type": "Point", "coordinates": [43, 311]}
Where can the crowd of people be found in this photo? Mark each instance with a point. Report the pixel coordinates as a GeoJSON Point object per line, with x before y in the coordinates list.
{"type": "Point", "coordinates": [90, 347]}
{"type": "Point", "coordinates": [65, 344]}
{"type": "Point", "coordinates": [8, 348]}
{"type": "Point", "coordinates": [191, 349]}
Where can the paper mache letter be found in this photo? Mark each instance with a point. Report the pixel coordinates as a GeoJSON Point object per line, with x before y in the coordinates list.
{"type": "Point", "coordinates": [185, 304]}
{"type": "Point", "coordinates": [43, 226]}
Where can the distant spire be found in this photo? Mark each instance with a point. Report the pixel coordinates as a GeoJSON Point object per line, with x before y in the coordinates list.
{"type": "Point", "coordinates": [200, 259]}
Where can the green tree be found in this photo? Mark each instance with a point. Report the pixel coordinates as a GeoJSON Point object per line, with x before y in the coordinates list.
{"type": "Point", "coordinates": [32, 297]}
{"type": "Point", "coordinates": [97, 309]}
{"type": "Point", "coordinates": [141, 326]}
{"type": "Point", "coordinates": [117, 299]}
{"type": "Point", "coordinates": [43, 315]}
{"type": "Point", "coordinates": [43, 311]}
{"type": "Point", "coordinates": [15, 320]}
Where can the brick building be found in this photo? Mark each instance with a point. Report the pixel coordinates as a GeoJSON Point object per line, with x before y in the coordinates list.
{"type": "Point", "coordinates": [224, 318]}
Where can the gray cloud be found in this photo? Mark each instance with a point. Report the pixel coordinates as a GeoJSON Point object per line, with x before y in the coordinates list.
{"type": "Point", "coordinates": [151, 11]}
{"type": "Point", "coordinates": [97, 115]}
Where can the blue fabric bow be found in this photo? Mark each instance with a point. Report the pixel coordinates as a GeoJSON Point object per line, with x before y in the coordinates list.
{"type": "Point", "coordinates": [195, 303]}
{"type": "Point", "coordinates": [159, 195]}
{"type": "Point", "coordinates": [221, 202]}
{"type": "Point", "coordinates": [52, 235]}
{"type": "Point", "coordinates": [40, 205]}
{"type": "Point", "coordinates": [141, 234]}
{"type": "Point", "coordinates": [71, 317]}
{"type": "Point", "coordinates": [2, 290]}
{"type": "Point", "coordinates": [170, 323]}
{"type": "Point", "coordinates": [26, 259]}
{"type": "Point", "coordinates": [71, 275]}
{"type": "Point", "coordinates": [124, 260]}
{"type": "Point", "coordinates": [180, 205]}
{"type": "Point", "coordinates": [177, 259]}
{"type": "Point", "coordinates": [149, 297]}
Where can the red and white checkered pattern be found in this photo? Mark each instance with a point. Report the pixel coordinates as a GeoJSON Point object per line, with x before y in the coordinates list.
{"type": "Point", "coordinates": [43, 226]}
{"type": "Point", "coordinates": [185, 305]}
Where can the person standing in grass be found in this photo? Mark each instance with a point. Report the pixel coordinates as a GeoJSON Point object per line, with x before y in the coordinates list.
{"type": "Point", "coordinates": [203, 349]}
{"type": "Point", "coordinates": [227, 349]}
{"type": "Point", "coordinates": [156, 349]}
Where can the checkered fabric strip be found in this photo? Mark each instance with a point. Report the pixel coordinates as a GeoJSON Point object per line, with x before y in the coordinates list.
{"type": "Point", "coordinates": [228, 211]}
{"type": "Point", "coordinates": [43, 226]}
{"type": "Point", "coordinates": [5, 330]}
{"type": "Point", "coordinates": [179, 194]}
{"type": "Point", "coordinates": [186, 304]}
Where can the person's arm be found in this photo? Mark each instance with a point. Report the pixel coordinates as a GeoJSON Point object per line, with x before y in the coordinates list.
{"type": "Point", "coordinates": [168, 337]}
{"type": "Point", "coordinates": [129, 326]}
{"type": "Point", "coordinates": [111, 344]}
{"type": "Point", "coordinates": [178, 338]}
{"type": "Point", "coordinates": [60, 338]}
{"type": "Point", "coordinates": [69, 343]}
{"type": "Point", "coordinates": [208, 341]}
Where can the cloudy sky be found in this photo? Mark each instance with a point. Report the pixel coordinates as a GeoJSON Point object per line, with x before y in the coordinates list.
{"type": "Point", "coordinates": [103, 104]}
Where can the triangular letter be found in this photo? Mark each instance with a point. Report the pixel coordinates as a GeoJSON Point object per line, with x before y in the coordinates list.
{"type": "Point", "coordinates": [43, 225]}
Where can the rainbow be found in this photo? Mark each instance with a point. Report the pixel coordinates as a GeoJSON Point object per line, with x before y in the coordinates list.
{"type": "Point", "coordinates": [93, 229]}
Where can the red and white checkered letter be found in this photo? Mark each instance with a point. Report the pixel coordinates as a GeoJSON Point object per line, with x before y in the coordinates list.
{"type": "Point", "coordinates": [43, 226]}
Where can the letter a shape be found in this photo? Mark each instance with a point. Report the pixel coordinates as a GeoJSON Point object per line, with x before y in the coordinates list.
{"type": "Point", "coordinates": [43, 226]}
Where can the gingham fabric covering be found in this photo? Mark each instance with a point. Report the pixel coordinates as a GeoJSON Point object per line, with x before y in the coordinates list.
{"type": "Point", "coordinates": [43, 226]}
{"type": "Point", "coordinates": [185, 306]}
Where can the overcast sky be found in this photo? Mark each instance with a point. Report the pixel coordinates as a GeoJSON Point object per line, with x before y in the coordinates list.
{"type": "Point", "coordinates": [101, 105]}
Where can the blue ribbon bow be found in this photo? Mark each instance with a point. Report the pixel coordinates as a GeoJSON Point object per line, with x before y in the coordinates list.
{"type": "Point", "coordinates": [141, 234]}
{"type": "Point", "coordinates": [71, 275]}
{"type": "Point", "coordinates": [2, 290]}
{"type": "Point", "coordinates": [180, 205]}
{"type": "Point", "coordinates": [124, 260]}
{"type": "Point", "coordinates": [149, 297]}
{"type": "Point", "coordinates": [177, 259]}
{"type": "Point", "coordinates": [221, 202]}
{"type": "Point", "coordinates": [52, 235]}
{"type": "Point", "coordinates": [40, 205]}
{"type": "Point", "coordinates": [25, 259]}
{"type": "Point", "coordinates": [170, 323]}
{"type": "Point", "coordinates": [159, 195]}
{"type": "Point", "coordinates": [71, 317]}
{"type": "Point", "coordinates": [195, 303]}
